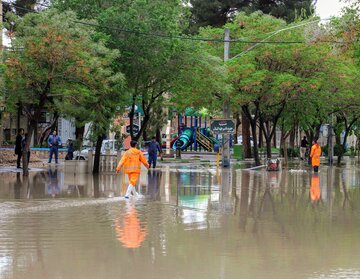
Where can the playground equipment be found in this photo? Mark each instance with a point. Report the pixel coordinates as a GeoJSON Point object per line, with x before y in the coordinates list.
{"type": "Point", "coordinates": [200, 136]}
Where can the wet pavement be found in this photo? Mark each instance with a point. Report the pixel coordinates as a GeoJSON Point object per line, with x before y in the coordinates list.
{"type": "Point", "coordinates": [192, 222]}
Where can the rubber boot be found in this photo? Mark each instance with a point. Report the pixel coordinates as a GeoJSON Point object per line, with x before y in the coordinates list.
{"type": "Point", "coordinates": [133, 191]}
{"type": "Point", "coordinates": [128, 191]}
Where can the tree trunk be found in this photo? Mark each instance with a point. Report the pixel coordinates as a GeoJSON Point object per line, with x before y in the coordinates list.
{"type": "Point", "coordinates": [27, 147]}
{"type": "Point", "coordinates": [337, 139]}
{"type": "Point", "coordinates": [342, 148]}
{"type": "Point", "coordinates": [268, 147]}
{"type": "Point", "coordinates": [285, 152]}
{"type": "Point", "coordinates": [36, 139]}
{"type": "Point", "coordinates": [18, 116]}
{"type": "Point", "coordinates": [261, 144]}
{"type": "Point", "coordinates": [246, 135]}
{"type": "Point", "coordinates": [292, 139]}
{"type": "Point", "coordinates": [158, 136]}
{"type": "Point", "coordinates": [255, 147]}
{"type": "Point", "coordinates": [144, 124]}
{"type": "Point", "coordinates": [237, 125]}
{"type": "Point", "coordinates": [96, 168]}
{"type": "Point", "coordinates": [45, 134]}
{"type": "Point", "coordinates": [79, 133]}
{"type": "Point", "coordinates": [274, 140]}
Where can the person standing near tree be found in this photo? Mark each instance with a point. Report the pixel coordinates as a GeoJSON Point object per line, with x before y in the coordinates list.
{"type": "Point", "coordinates": [315, 155]}
{"type": "Point", "coordinates": [18, 146]}
{"type": "Point", "coordinates": [23, 143]}
{"type": "Point", "coordinates": [153, 149]}
{"type": "Point", "coordinates": [54, 141]}
{"type": "Point", "coordinates": [131, 161]}
{"type": "Point", "coordinates": [303, 146]}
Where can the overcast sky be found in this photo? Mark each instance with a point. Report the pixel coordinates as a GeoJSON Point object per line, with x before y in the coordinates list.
{"type": "Point", "coordinates": [327, 8]}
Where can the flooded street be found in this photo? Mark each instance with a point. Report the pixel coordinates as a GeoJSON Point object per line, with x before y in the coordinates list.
{"type": "Point", "coordinates": [192, 222]}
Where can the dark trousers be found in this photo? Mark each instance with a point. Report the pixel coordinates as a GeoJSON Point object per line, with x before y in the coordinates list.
{"type": "Point", "coordinates": [316, 168]}
{"type": "Point", "coordinates": [18, 162]}
{"type": "Point", "coordinates": [53, 150]}
{"type": "Point", "coordinates": [152, 159]}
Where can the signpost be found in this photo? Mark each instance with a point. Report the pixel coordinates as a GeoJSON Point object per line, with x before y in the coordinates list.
{"type": "Point", "coordinates": [223, 126]}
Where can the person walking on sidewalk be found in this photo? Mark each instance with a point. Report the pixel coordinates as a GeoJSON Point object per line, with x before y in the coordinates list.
{"type": "Point", "coordinates": [131, 161]}
{"type": "Point", "coordinates": [54, 142]}
{"type": "Point", "coordinates": [153, 149]}
{"type": "Point", "coordinates": [18, 147]}
{"type": "Point", "coordinates": [315, 155]}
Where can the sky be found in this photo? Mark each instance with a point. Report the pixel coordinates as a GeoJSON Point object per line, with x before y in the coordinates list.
{"type": "Point", "coordinates": [328, 8]}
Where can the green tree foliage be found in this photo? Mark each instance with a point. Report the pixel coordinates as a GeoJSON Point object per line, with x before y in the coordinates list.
{"type": "Point", "coordinates": [55, 62]}
{"type": "Point", "coordinates": [217, 13]}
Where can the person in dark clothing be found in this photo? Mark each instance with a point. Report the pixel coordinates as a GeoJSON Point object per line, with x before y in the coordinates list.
{"type": "Point", "coordinates": [304, 144]}
{"type": "Point", "coordinates": [54, 142]}
{"type": "Point", "coordinates": [153, 149]}
{"type": "Point", "coordinates": [18, 146]}
{"type": "Point", "coordinates": [70, 151]}
{"type": "Point", "coordinates": [23, 143]}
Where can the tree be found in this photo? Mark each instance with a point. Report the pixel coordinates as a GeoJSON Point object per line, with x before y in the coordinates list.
{"type": "Point", "coordinates": [218, 13]}
{"type": "Point", "coordinates": [55, 61]}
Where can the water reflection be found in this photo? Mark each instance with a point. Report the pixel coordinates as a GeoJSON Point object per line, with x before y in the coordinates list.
{"type": "Point", "coordinates": [53, 187]}
{"type": "Point", "coordinates": [315, 189]}
{"type": "Point", "coordinates": [129, 231]}
{"type": "Point", "coordinates": [191, 223]}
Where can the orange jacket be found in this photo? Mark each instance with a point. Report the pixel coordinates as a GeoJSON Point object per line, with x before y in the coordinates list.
{"type": "Point", "coordinates": [315, 155]}
{"type": "Point", "coordinates": [132, 160]}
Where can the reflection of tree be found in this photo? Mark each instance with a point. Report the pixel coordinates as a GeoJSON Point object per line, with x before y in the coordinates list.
{"type": "Point", "coordinates": [154, 179]}
{"type": "Point", "coordinates": [347, 199]}
{"type": "Point", "coordinates": [96, 182]}
{"type": "Point", "coordinates": [17, 186]}
{"type": "Point", "coordinates": [244, 198]}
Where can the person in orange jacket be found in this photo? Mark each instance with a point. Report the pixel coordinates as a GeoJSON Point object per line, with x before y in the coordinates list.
{"type": "Point", "coordinates": [315, 155]}
{"type": "Point", "coordinates": [131, 161]}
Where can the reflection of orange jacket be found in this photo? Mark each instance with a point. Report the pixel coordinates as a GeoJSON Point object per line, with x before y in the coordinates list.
{"type": "Point", "coordinates": [315, 188]}
{"type": "Point", "coordinates": [315, 155]}
{"type": "Point", "coordinates": [131, 235]}
{"type": "Point", "coordinates": [132, 160]}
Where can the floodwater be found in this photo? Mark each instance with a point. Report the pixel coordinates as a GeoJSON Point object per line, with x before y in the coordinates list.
{"type": "Point", "coordinates": [192, 222]}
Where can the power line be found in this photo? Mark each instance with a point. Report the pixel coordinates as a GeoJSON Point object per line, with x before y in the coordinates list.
{"type": "Point", "coordinates": [164, 36]}
{"type": "Point", "coordinates": [208, 39]}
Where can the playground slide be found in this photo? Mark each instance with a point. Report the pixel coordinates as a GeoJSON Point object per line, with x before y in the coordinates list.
{"type": "Point", "coordinates": [185, 139]}
{"type": "Point", "coordinates": [214, 140]}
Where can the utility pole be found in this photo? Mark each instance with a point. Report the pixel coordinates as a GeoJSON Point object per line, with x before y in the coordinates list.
{"type": "Point", "coordinates": [1, 57]}
{"type": "Point", "coordinates": [226, 107]}
{"type": "Point", "coordinates": [330, 144]}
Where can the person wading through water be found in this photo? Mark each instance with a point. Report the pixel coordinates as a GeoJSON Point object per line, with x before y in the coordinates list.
{"type": "Point", "coordinates": [315, 155]}
{"type": "Point", "coordinates": [131, 161]}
